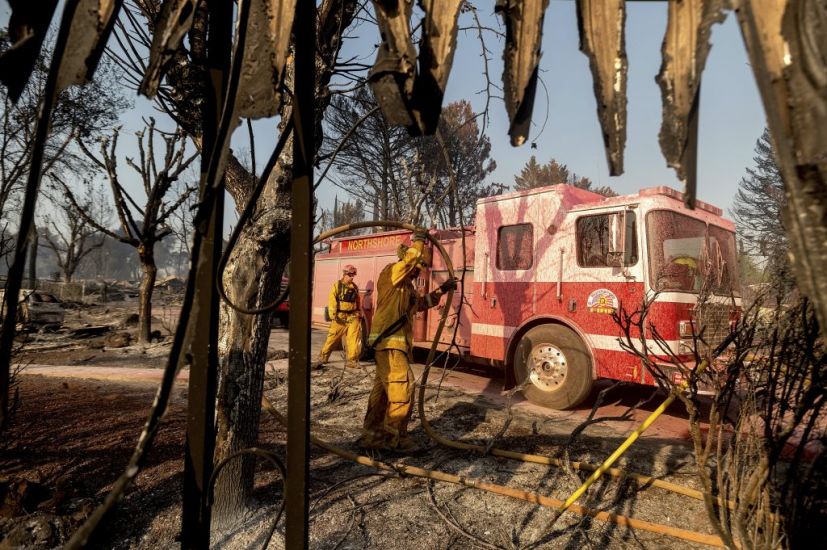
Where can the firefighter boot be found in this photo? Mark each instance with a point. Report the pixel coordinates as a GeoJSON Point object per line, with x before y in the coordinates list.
{"type": "Point", "coordinates": [407, 446]}
{"type": "Point", "coordinates": [372, 440]}
{"type": "Point", "coordinates": [320, 362]}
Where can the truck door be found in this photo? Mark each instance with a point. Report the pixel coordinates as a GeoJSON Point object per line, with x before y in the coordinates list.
{"type": "Point", "coordinates": [608, 273]}
{"type": "Point", "coordinates": [509, 296]}
{"type": "Point", "coordinates": [458, 318]}
{"type": "Point", "coordinates": [607, 242]}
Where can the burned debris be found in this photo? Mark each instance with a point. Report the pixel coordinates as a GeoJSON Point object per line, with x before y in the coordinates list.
{"type": "Point", "coordinates": [286, 49]}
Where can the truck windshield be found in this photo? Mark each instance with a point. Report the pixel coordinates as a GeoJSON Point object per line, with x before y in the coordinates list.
{"type": "Point", "coordinates": [722, 262]}
{"type": "Point", "coordinates": [686, 255]}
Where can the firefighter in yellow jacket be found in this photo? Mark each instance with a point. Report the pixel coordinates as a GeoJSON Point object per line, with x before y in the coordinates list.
{"type": "Point", "coordinates": [390, 401]}
{"type": "Point", "coordinates": [344, 308]}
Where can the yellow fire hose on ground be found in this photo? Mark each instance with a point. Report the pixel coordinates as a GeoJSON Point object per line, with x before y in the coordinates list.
{"type": "Point", "coordinates": [549, 502]}
{"type": "Point", "coordinates": [629, 440]}
{"type": "Point", "coordinates": [550, 461]}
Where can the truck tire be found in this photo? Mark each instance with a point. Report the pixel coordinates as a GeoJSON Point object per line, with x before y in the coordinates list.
{"type": "Point", "coordinates": [553, 366]}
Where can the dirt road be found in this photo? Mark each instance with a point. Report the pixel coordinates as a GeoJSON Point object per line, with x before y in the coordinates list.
{"type": "Point", "coordinates": [484, 383]}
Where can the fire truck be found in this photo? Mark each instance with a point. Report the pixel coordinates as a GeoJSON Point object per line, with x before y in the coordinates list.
{"type": "Point", "coordinates": [543, 271]}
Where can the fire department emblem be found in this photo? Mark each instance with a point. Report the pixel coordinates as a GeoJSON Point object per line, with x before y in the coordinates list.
{"type": "Point", "coordinates": [602, 300]}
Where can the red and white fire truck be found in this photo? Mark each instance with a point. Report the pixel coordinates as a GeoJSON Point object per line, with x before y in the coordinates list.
{"type": "Point", "coordinates": [544, 270]}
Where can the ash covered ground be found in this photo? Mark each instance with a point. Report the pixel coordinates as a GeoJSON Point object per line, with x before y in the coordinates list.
{"type": "Point", "coordinates": [82, 405]}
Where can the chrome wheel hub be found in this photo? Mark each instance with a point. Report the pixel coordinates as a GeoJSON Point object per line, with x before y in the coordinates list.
{"type": "Point", "coordinates": [548, 367]}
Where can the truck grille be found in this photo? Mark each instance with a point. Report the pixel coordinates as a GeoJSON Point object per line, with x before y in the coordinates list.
{"type": "Point", "coordinates": [712, 321]}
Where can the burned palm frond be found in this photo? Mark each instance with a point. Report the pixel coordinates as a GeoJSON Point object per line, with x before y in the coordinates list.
{"type": "Point", "coordinates": [394, 71]}
{"type": "Point", "coordinates": [788, 53]}
{"type": "Point", "coordinates": [523, 38]}
{"type": "Point", "coordinates": [89, 28]}
{"type": "Point", "coordinates": [173, 24]}
{"type": "Point", "coordinates": [804, 30]}
{"type": "Point", "coordinates": [262, 69]}
{"type": "Point", "coordinates": [436, 56]}
{"type": "Point", "coordinates": [685, 48]}
{"type": "Point", "coordinates": [91, 25]}
{"type": "Point", "coordinates": [602, 39]}
{"type": "Point", "coordinates": [28, 25]}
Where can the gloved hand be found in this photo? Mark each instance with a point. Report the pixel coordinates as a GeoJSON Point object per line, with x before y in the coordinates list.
{"type": "Point", "coordinates": [450, 284]}
{"type": "Point", "coordinates": [420, 236]}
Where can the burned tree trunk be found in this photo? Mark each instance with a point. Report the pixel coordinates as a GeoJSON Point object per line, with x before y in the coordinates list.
{"type": "Point", "coordinates": [252, 279]}
{"type": "Point", "coordinates": [146, 255]}
{"type": "Point", "coordinates": [253, 273]}
{"type": "Point", "coordinates": [33, 242]}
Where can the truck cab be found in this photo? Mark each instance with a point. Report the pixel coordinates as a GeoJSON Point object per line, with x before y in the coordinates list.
{"type": "Point", "coordinates": [557, 264]}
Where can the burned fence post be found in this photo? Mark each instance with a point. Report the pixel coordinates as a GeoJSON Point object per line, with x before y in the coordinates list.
{"type": "Point", "coordinates": [790, 68]}
{"type": "Point", "coordinates": [203, 325]}
{"type": "Point", "coordinates": [301, 274]}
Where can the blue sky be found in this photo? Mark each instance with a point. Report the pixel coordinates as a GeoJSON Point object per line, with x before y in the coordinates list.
{"type": "Point", "coordinates": [732, 117]}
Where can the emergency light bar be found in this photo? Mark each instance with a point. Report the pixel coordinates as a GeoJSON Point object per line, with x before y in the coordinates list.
{"type": "Point", "coordinates": [677, 195]}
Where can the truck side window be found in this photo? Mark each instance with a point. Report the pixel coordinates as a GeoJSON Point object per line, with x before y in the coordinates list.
{"type": "Point", "coordinates": [593, 240]}
{"type": "Point", "coordinates": [515, 247]}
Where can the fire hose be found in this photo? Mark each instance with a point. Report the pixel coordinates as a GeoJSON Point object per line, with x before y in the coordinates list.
{"type": "Point", "coordinates": [549, 502]}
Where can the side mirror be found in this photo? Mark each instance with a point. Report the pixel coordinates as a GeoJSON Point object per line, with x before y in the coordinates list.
{"type": "Point", "coordinates": [629, 236]}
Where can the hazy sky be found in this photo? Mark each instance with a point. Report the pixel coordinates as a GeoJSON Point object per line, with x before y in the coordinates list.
{"type": "Point", "coordinates": [731, 116]}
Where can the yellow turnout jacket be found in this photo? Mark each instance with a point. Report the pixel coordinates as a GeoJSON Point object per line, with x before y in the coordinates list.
{"type": "Point", "coordinates": [343, 298]}
{"type": "Point", "coordinates": [396, 297]}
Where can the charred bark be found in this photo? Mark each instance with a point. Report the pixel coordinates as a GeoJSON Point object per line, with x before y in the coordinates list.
{"type": "Point", "coordinates": [33, 242]}
{"type": "Point", "coordinates": [146, 255]}
{"type": "Point", "coordinates": [254, 270]}
{"type": "Point", "coordinates": [252, 278]}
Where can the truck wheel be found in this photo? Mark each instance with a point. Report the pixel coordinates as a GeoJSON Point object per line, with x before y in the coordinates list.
{"type": "Point", "coordinates": [553, 366]}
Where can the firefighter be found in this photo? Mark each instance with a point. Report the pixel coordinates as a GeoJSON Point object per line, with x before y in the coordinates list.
{"type": "Point", "coordinates": [390, 401]}
{"type": "Point", "coordinates": [344, 307]}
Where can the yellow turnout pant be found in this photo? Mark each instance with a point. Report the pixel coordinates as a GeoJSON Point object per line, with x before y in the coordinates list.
{"type": "Point", "coordinates": [390, 401]}
{"type": "Point", "coordinates": [347, 328]}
